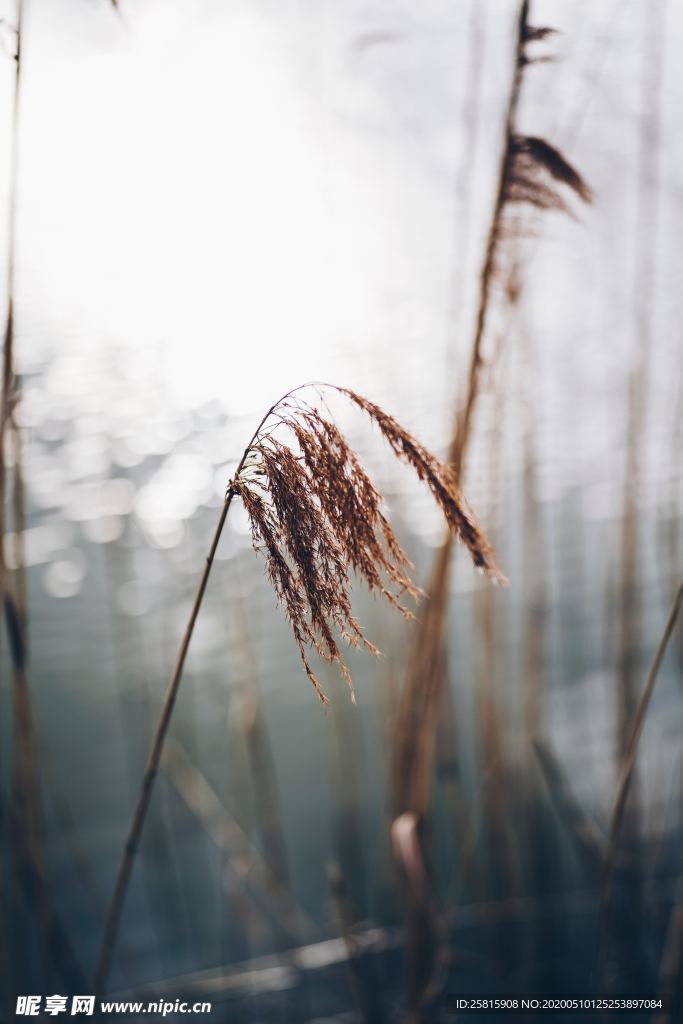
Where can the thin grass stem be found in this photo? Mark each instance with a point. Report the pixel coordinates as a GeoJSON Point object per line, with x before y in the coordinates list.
{"type": "Point", "coordinates": [142, 806]}
{"type": "Point", "coordinates": [628, 766]}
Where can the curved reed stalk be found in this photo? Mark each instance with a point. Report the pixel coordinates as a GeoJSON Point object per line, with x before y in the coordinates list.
{"type": "Point", "coordinates": [315, 516]}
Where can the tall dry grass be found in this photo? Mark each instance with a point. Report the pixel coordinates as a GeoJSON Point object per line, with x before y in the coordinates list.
{"type": "Point", "coordinates": [534, 175]}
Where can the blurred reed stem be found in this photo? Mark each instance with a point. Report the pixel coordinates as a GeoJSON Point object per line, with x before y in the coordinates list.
{"type": "Point", "coordinates": [627, 769]}
{"type": "Point", "coordinates": [416, 729]}
{"type": "Point", "coordinates": [425, 936]}
{"type": "Point", "coordinates": [644, 292]}
{"type": "Point", "coordinates": [151, 770]}
{"type": "Point", "coordinates": [670, 980]}
{"type": "Point", "coordinates": [25, 819]}
{"type": "Point", "coordinates": [414, 743]}
{"type": "Point", "coordinates": [417, 718]}
{"type": "Point", "coordinates": [134, 695]}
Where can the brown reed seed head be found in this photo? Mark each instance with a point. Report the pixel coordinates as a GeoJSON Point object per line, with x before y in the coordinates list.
{"type": "Point", "coordinates": [535, 171]}
{"type": "Point", "coordinates": [316, 516]}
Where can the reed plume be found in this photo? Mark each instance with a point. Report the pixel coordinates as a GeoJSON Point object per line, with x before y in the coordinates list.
{"type": "Point", "coordinates": [315, 514]}
{"type": "Point", "coordinates": [316, 517]}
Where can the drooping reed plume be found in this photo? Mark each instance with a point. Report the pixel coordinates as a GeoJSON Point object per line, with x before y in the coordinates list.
{"type": "Point", "coordinates": [315, 514]}
{"type": "Point", "coordinates": [316, 517]}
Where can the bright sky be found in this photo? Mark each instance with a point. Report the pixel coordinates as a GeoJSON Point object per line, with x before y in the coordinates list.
{"type": "Point", "coordinates": [187, 187]}
{"type": "Point", "coordinates": [169, 185]}
{"type": "Point", "coordinates": [248, 194]}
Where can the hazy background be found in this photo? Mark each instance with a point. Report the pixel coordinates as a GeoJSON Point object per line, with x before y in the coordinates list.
{"type": "Point", "coordinates": [217, 201]}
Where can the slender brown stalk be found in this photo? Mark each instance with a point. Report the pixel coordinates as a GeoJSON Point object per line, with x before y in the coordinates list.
{"type": "Point", "coordinates": [644, 292]}
{"type": "Point", "coordinates": [464, 420]}
{"type": "Point", "coordinates": [131, 668]}
{"type": "Point", "coordinates": [414, 743]}
{"type": "Point", "coordinates": [629, 761]}
{"type": "Point", "coordinates": [531, 174]}
{"type": "Point", "coordinates": [130, 849]}
{"type": "Point", "coordinates": [27, 824]}
{"type": "Point", "coordinates": [19, 524]}
{"type": "Point", "coordinates": [8, 378]}
{"type": "Point", "coordinates": [424, 932]}
{"type": "Point", "coordinates": [140, 813]}
{"type": "Point", "coordinates": [671, 961]}
{"type": "Point", "coordinates": [26, 817]}
{"type": "Point", "coordinates": [26, 809]}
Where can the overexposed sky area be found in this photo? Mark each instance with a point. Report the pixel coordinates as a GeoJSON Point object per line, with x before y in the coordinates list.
{"type": "Point", "coordinates": [246, 194]}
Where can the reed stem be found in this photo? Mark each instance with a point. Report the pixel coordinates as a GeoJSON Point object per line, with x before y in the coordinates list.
{"type": "Point", "coordinates": [141, 808]}
{"type": "Point", "coordinates": [414, 741]}
{"type": "Point", "coordinates": [25, 818]}
{"type": "Point", "coordinates": [464, 420]}
{"type": "Point", "coordinates": [628, 766]}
